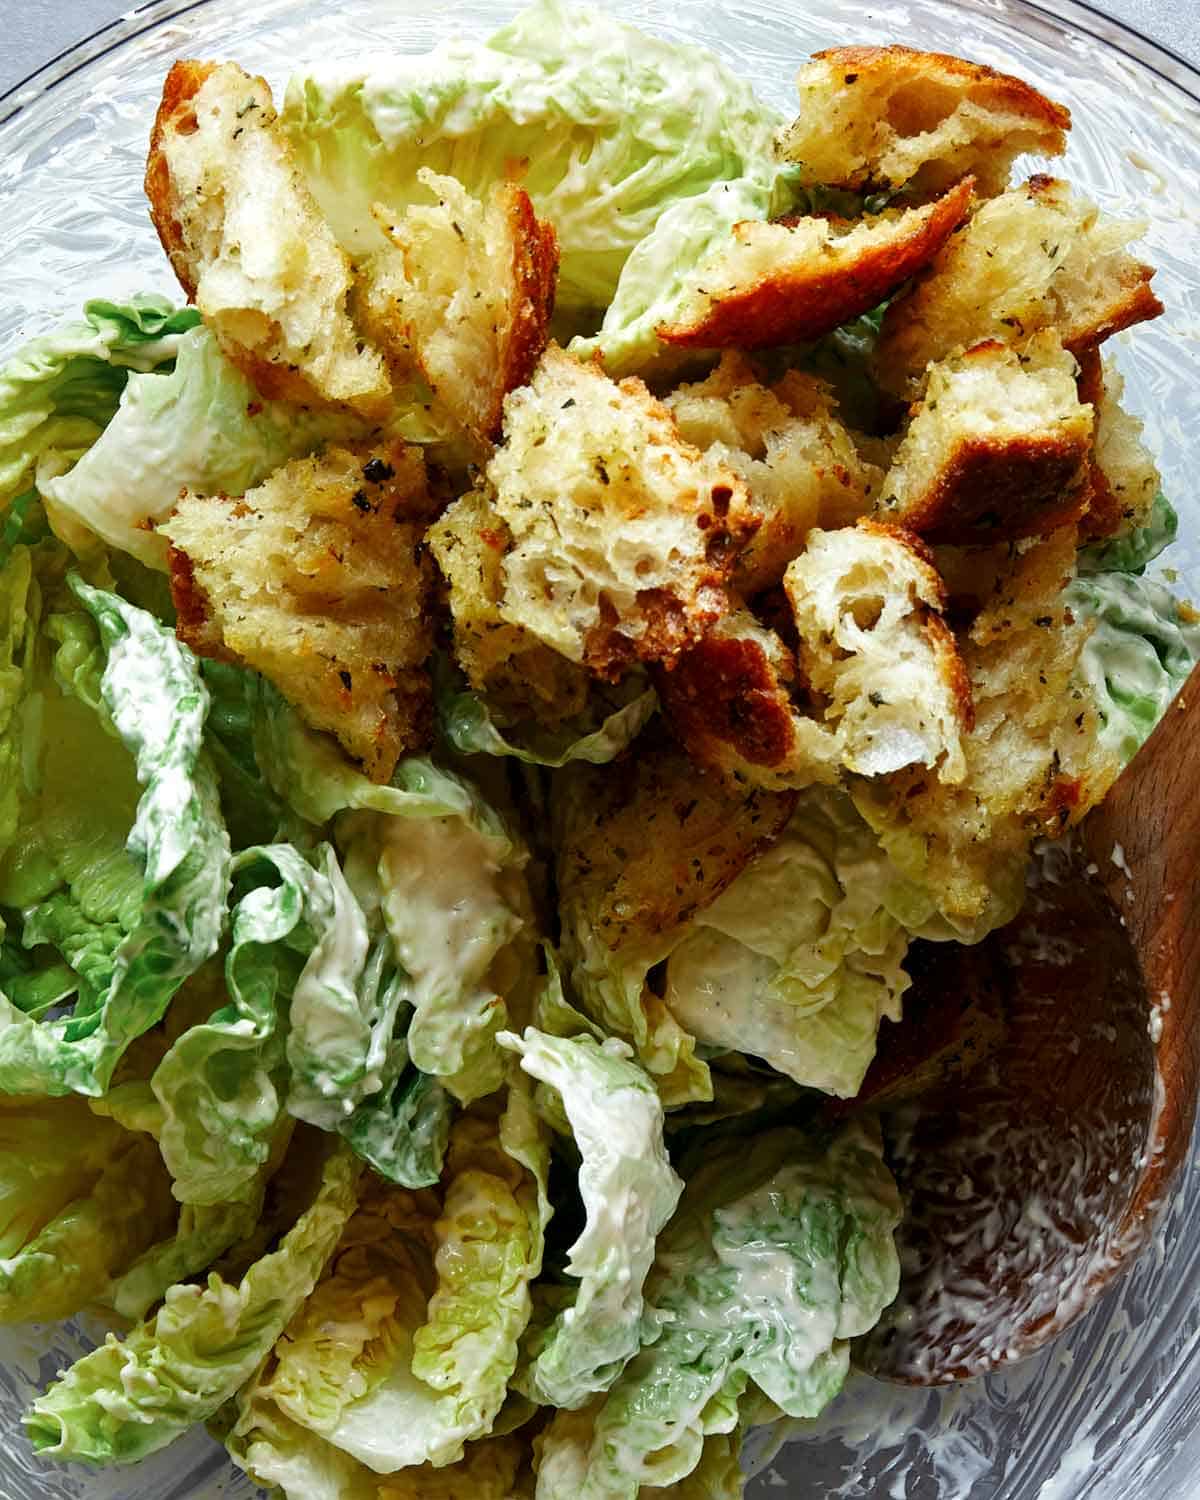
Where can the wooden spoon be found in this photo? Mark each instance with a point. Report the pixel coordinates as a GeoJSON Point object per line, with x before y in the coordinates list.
{"type": "Point", "coordinates": [1065, 1051]}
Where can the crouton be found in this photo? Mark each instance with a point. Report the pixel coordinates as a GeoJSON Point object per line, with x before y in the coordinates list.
{"type": "Point", "coordinates": [645, 843]}
{"type": "Point", "coordinates": [798, 279]}
{"type": "Point", "coordinates": [249, 244]}
{"type": "Point", "coordinates": [801, 465]}
{"type": "Point", "coordinates": [474, 304]}
{"type": "Point", "coordinates": [623, 536]}
{"type": "Point", "coordinates": [876, 118]}
{"type": "Point", "coordinates": [518, 675]}
{"type": "Point", "coordinates": [1123, 480]}
{"type": "Point", "coordinates": [730, 703]}
{"type": "Point", "coordinates": [875, 650]}
{"type": "Point", "coordinates": [316, 578]}
{"type": "Point", "coordinates": [1034, 762]}
{"type": "Point", "coordinates": [998, 450]}
{"type": "Point", "coordinates": [1040, 256]}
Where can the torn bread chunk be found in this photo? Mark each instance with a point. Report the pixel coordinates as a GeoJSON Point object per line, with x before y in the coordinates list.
{"type": "Point", "coordinates": [795, 280]}
{"type": "Point", "coordinates": [1123, 480]}
{"type": "Point", "coordinates": [317, 579]}
{"type": "Point", "coordinates": [519, 675]}
{"type": "Point", "coordinates": [1040, 256]}
{"type": "Point", "coordinates": [249, 244]}
{"type": "Point", "coordinates": [622, 536]}
{"type": "Point", "coordinates": [801, 464]}
{"type": "Point", "coordinates": [876, 652]}
{"type": "Point", "coordinates": [876, 118]}
{"type": "Point", "coordinates": [731, 702]}
{"type": "Point", "coordinates": [1034, 762]}
{"type": "Point", "coordinates": [473, 304]}
{"type": "Point", "coordinates": [998, 450]}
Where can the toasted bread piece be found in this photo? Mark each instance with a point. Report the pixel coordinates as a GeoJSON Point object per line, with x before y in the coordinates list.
{"type": "Point", "coordinates": [889, 117]}
{"type": "Point", "coordinates": [998, 450]}
{"type": "Point", "coordinates": [518, 674]}
{"type": "Point", "coordinates": [623, 536]}
{"type": "Point", "coordinates": [1040, 256]}
{"type": "Point", "coordinates": [249, 244]}
{"type": "Point", "coordinates": [875, 650]}
{"type": "Point", "coordinates": [474, 303]}
{"type": "Point", "coordinates": [802, 465]}
{"type": "Point", "coordinates": [730, 702]}
{"type": "Point", "coordinates": [316, 578]}
{"type": "Point", "coordinates": [1034, 763]}
{"type": "Point", "coordinates": [1123, 480]}
{"type": "Point", "coordinates": [798, 279]}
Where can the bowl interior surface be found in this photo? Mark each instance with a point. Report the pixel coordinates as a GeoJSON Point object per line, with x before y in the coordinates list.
{"type": "Point", "coordinates": [1112, 1408]}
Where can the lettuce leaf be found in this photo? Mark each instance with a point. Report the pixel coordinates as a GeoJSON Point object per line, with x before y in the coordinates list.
{"type": "Point", "coordinates": [781, 1251]}
{"type": "Point", "coordinates": [404, 1352]}
{"type": "Point", "coordinates": [612, 125]}
{"type": "Point", "coordinates": [58, 392]}
{"type": "Point", "coordinates": [1133, 552]}
{"type": "Point", "coordinates": [1140, 653]}
{"type": "Point", "coordinates": [131, 958]}
{"type": "Point", "coordinates": [629, 1191]}
{"type": "Point", "coordinates": [200, 424]}
{"type": "Point", "coordinates": [465, 721]}
{"type": "Point", "coordinates": [801, 957]}
{"type": "Point", "coordinates": [132, 1396]}
{"type": "Point", "coordinates": [80, 1199]}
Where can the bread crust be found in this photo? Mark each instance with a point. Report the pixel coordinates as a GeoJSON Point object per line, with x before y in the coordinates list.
{"type": "Point", "coordinates": [174, 115]}
{"type": "Point", "coordinates": [817, 292]}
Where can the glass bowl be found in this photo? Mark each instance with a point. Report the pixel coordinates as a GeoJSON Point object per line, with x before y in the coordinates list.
{"type": "Point", "coordinates": [1112, 1408]}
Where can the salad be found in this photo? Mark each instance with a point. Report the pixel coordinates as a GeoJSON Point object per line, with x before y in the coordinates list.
{"type": "Point", "coordinates": [492, 682]}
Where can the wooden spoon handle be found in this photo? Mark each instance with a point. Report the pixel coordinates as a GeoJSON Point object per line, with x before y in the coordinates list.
{"type": "Point", "coordinates": [1145, 841]}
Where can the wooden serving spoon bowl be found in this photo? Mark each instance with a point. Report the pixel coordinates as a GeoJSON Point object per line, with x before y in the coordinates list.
{"type": "Point", "coordinates": [1066, 1056]}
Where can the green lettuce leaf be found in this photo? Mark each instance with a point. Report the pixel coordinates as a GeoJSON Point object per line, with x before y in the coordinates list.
{"type": "Point", "coordinates": [629, 1191]}
{"type": "Point", "coordinates": [403, 1353]}
{"type": "Point", "coordinates": [132, 1396]}
{"type": "Point", "coordinates": [131, 962]}
{"type": "Point", "coordinates": [1133, 552]}
{"type": "Point", "coordinates": [465, 721]}
{"type": "Point", "coordinates": [611, 125]}
{"type": "Point", "coordinates": [782, 1250]}
{"type": "Point", "coordinates": [80, 1199]}
{"type": "Point", "coordinates": [59, 392]}
{"type": "Point", "coordinates": [402, 1131]}
{"type": "Point", "coordinates": [200, 424]}
{"type": "Point", "coordinates": [1140, 653]}
{"type": "Point", "coordinates": [801, 957]}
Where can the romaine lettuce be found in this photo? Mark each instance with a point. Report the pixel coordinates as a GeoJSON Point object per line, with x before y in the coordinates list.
{"type": "Point", "coordinates": [58, 392]}
{"type": "Point", "coordinates": [133, 923]}
{"type": "Point", "coordinates": [612, 127]}
{"type": "Point", "coordinates": [1133, 552]}
{"type": "Point", "coordinates": [629, 1191]}
{"type": "Point", "coordinates": [132, 1396]}
{"type": "Point", "coordinates": [781, 1251]}
{"type": "Point", "coordinates": [1140, 653]}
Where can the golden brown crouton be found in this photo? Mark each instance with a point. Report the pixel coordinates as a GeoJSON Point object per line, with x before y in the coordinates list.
{"type": "Point", "coordinates": [886, 117]}
{"type": "Point", "coordinates": [730, 703]}
{"type": "Point", "coordinates": [795, 280]}
{"type": "Point", "coordinates": [802, 466]}
{"type": "Point", "coordinates": [1034, 761]}
{"type": "Point", "coordinates": [317, 579]}
{"type": "Point", "coordinates": [1040, 256]}
{"type": "Point", "coordinates": [518, 675]}
{"type": "Point", "coordinates": [998, 449]}
{"type": "Point", "coordinates": [250, 245]}
{"type": "Point", "coordinates": [623, 536]}
{"type": "Point", "coordinates": [876, 652]}
{"type": "Point", "coordinates": [474, 303]}
{"type": "Point", "coordinates": [1123, 480]}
